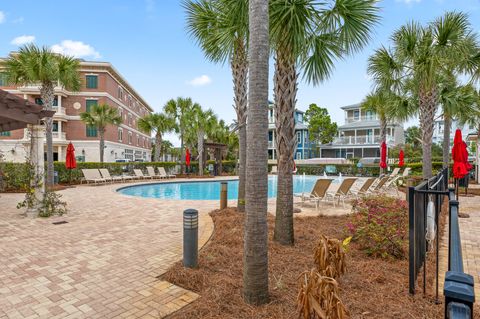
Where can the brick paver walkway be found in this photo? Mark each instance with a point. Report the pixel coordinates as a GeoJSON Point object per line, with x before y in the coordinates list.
{"type": "Point", "coordinates": [103, 263]}
{"type": "Point", "coordinates": [470, 236]}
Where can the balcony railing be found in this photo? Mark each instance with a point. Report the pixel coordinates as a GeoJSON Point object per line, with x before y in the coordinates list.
{"type": "Point", "coordinates": [354, 140]}
{"type": "Point", "coordinates": [59, 135]}
{"type": "Point", "coordinates": [360, 118]}
{"type": "Point", "coordinates": [59, 110]}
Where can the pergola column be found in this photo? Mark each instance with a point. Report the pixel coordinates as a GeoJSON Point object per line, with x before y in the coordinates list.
{"type": "Point", "coordinates": [38, 166]}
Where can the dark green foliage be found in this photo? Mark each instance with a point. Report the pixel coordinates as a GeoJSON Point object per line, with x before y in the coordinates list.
{"type": "Point", "coordinates": [320, 126]}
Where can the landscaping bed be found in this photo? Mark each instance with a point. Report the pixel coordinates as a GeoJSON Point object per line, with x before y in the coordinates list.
{"type": "Point", "coordinates": [370, 288]}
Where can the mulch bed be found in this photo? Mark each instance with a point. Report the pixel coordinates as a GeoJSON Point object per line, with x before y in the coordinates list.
{"type": "Point", "coordinates": [371, 288]}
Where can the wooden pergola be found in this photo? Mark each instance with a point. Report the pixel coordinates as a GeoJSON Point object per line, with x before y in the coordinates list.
{"type": "Point", "coordinates": [17, 113]}
{"type": "Point", "coordinates": [218, 148]}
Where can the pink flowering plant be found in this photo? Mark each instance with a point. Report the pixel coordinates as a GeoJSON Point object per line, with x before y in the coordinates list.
{"type": "Point", "coordinates": [379, 225]}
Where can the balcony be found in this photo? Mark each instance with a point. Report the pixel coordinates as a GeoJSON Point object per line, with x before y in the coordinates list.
{"type": "Point", "coordinates": [361, 118]}
{"type": "Point", "coordinates": [358, 140]}
{"type": "Point", "coordinates": [59, 136]}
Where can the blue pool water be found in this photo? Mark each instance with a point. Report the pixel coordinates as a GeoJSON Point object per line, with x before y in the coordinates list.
{"type": "Point", "coordinates": [209, 190]}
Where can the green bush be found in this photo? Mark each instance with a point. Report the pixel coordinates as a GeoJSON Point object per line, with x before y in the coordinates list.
{"type": "Point", "coordinates": [14, 176]}
{"type": "Point", "coordinates": [380, 226]}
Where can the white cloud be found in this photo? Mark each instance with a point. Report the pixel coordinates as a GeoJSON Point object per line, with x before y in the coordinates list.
{"type": "Point", "coordinates": [409, 1]}
{"type": "Point", "coordinates": [23, 39]}
{"type": "Point", "coordinates": [200, 80]}
{"type": "Point", "coordinates": [2, 17]}
{"type": "Point", "coordinates": [77, 49]}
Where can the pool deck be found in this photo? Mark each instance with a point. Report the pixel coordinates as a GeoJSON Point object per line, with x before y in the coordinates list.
{"type": "Point", "coordinates": [104, 262]}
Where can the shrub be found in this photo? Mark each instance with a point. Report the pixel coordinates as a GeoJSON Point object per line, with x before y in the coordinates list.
{"type": "Point", "coordinates": [380, 226]}
{"type": "Point", "coordinates": [319, 297]}
{"type": "Point", "coordinates": [330, 257]}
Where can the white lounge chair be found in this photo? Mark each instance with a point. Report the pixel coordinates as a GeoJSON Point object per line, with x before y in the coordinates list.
{"type": "Point", "coordinates": [151, 172]}
{"type": "Point", "coordinates": [406, 172]}
{"type": "Point", "coordinates": [106, 174]}
{"type": "Point", "coordinates": [365, 189]}
{"type": "Point", "coordinates": [163, 173]}
{"type": "Point", "coordinates": [342, 192]}
{"type": "Point", "coordinates": [92, 175]}
{"type": "Point", "coordinates": [395, 172]}
{"type": "Point", "coordinates": [318, 192]}
{"type": "Point", "coordinates": [138, 174]}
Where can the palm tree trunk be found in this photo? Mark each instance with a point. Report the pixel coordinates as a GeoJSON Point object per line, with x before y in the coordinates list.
{"type": "Point", "coordinates": [158, 146]}
{"type": "Point", "coordinates": [477, 160]}
{"type": "Point", "coordinates": [200, 136]}
{"type": "Point", "coordinates": [182, 153]}
{"type": "Point", "coordinates": [383, 137]}
{"type": "Point", "coordinates": [446, 139]}
{"type": "Point", "coordinates": [101, 134]}
{"type": "Point", "coordinates": [47, 94]}
{"type": "Point", "coordinates": [428, 108]}
{"type": "Point", "coordinates": [239, 68]}
{"type": "Point", "coordinates": [255, 257]}
{"type": "Point", "coordinates": [285, 91]}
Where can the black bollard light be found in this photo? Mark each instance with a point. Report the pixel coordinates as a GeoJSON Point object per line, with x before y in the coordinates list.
{"type": "Point", "coordinates": [190, 238]}
{"type": "Point", "coordinates": [223, 195]}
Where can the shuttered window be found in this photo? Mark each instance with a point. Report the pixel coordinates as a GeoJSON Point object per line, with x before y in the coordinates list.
{"type": "Point", "coordinates": [92, 81]}
{"type": "Point", "coordinates": [91, 131]}
{"type": "Point", "coordinates": [89, 104]}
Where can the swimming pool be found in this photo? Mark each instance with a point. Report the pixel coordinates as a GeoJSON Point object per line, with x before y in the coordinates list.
{"type": "Point", "coordinates": [209, 190]}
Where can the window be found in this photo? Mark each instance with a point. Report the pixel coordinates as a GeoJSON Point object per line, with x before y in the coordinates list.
{"type": "Point", "coordinates": [5, 133]}
{"type": "Point", "coordinates": [300, 117]}
{"type": "Point", "coordinates": [130, 118]}
{"type": "Point", "coordinates": [120, 135]}
{"type": "Point", "coordinates": [369, 115]}
{"type": "Point", "coordinates": [305, 135]}
{"type": "Point", "coordinates": [356, 114]}
{"type": "Point", "coordinates": [129, 137]}
{"type": "Point", "coordinates": [138, 140]}
{"type": "Point", "coordinates": [91, 131]}
{"type": "Point", "coordinates": [3, 79]}
{"type": "Point", "coordinates": [299, 137]}
{"type": "Point", "coordinates": [89, 104]}
{"type": "Point", "coordinates": [120, 112]}
{"type": "Point", "coordinates": [55, 126]}
{"type": "Point", "coordinates": [91, 81]}
{"type": "Point", "coordinates": [120, 92]}
{"type": "Point", "coordinates": [39, 101]}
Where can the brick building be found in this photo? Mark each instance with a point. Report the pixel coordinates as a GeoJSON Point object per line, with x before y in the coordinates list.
{"type": "Point", "coordinates": [101, 83]}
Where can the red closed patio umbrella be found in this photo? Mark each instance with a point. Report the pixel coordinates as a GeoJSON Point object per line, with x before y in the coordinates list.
{"type": "Point", "coordinates": [460, 158]}
{"type": "Point", "coordinates": [70, 161]}
{"type": "Point", "coordinates": [383, 155]}
{"type": "Point", "coordinates": [187, 158]}
{"type": "Point", "coordinates": [401, 159]}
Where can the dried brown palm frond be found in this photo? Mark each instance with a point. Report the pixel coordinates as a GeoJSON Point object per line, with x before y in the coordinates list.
{"type": "Point", "coordinates": [318, 297]}
{"type": "Point", "coordinates": [330, 257]}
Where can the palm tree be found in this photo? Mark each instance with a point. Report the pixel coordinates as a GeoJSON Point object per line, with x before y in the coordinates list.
{"type": "Point", "coordinates": [473, 120]}
{"type": "Point", "coordinates": [307, 36]}
{"type": "Point", "coordinates": [180, 110]}
{"type": "Point", "coordinates": [34, 65]}
{"type": "Point", "coordinates": [100, 116]}
{"type": "Point", "coordinates": [159, 123]}
{"type": "Point", "coordinates": [420, 55]}
{"type": "Point", "coordinates": [221, 29]}
{"type": "Point", "coordinates": [255, 255]}
{"type": "Point", "coordinates": [203, 122]}
{"type": "Point", "coordinates": [457, 101]}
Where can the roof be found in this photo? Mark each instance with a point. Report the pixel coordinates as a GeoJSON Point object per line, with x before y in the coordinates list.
{"type": "Point", "coordinates": [352, 106]}
{"type": "Point", "coordinates": [109, 67]}
{"type": "Point", "coordinates": [360, 124]}
{"type": "Point", "coordinates": [17, 113]}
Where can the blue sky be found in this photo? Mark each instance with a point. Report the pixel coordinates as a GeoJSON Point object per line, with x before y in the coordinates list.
{"type": "Point", "coordinates": [147, 42]}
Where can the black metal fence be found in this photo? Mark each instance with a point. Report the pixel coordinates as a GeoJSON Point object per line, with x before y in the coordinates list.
{"type": "Point", "coordinates": [459, 286]}
{"type": "Point", "coordinates": [433, 190]}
